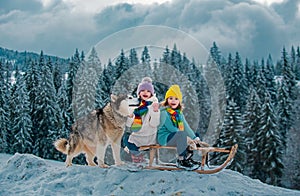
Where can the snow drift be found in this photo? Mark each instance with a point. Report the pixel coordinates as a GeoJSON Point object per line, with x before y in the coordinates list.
{"type": "Point", "coordinates": [26, 174]}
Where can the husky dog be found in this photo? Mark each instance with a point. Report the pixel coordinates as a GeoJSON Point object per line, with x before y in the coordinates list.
{"type": "Point", "coordinates": [93, 133]}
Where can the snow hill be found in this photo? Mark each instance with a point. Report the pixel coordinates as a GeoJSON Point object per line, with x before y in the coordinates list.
{"type": "Point", "coordinates": [26, 174]}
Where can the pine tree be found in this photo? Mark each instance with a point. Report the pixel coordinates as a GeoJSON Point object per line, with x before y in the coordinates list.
{"type": "Point", "coordinates": [288, 76]}
{"type": "Point", "coordinates": [216, 54]}
{"type": "Point", "coordinates": [133, 59]}
{"type": "Point", "coordinates": [32, 81]}
{"type": "Point", "coordinates": [176, 59]}
{"type": "Point", "coordinates": [293, 59]}
{"type": "Point", "coordinates": [230, 135]}
{"type": "Point", "coordinates": [269, 144]}
{"type": "Point", "coordinates": [47, 113]}
{"type": "Point", "coordinates": [286, 97]}
{"type": "Point", "coordinates": [228, 70]}
{"type": "Point", "coordinates": [251, 127]}
{"type": "Point", "coordinates": [260, 85]}
{"type": "Point", "coordinates": [270, 79]}
{"type": "Point", "coordinates": [65, 115]}
{"type": "Point", "coordinates": [73, 67]}
{"type": "Point", "coordinates": [145, 68]}
{"type": "Point", "coordinates": [212, 100]}
{"type": "Point", "coordinates": [105, 85]}
{"type": "Point", "coordinates": [4, 116]}
{"type": "Point", "coordinates": [297, 64]}
{"type": "Point", "coordinates": [166, 56]}
{"type": "Point", "coordinates": [86, 81]}
{"type": "Point", "coordinates": [122, 65]}
{"type": "Point", "coordinates": [57, 76]}
{"type": "Point", "coordinates": [23, 142]}
{"type": "Point", "coordinates": [236, 86]}
{"type": "Point", "coordinates": [248, 74]}
{"type": "Point", "coordinates": [13, 97]}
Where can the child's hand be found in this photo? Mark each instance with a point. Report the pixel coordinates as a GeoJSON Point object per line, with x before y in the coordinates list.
{"type": "Point", "coordinates": [155, 107]}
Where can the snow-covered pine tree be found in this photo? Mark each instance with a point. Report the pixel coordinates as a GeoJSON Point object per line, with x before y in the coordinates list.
{"type": "Point", "coordinates": [133, 59]}
{"type": "Point", "coordinates": [47, 112]}
{"type": "Point", "coordinates": [105, 84]}
{"type": "Point", "coordinates": [160, 87]}
{"type": "Point", "coordinates": [72, 71]}
{"type": "Point", "coordinates": [145, 66]}
{"type": "Point", "coordinates": [22, 126]}
{"type": "Point", "coordinates": [228, 70]}
{"type": "Point", "coordinates": [65, 115]}
{"type": "Point", "coordinates": [13, 97]}
{"type": "Point", "coordinates": [176, 58]}
{"type": "Point", "coordinates": [236, 85]}
{"type": "Point", "coordinates": [248, 74]}
{"type": "Point", "coordinates": [286, 96]}
{"type": "Point", "coordinates": [157, 83]}
{"type": "Point", "coordinates": [250, 129]}
{"type": "Point", "coordinates": [293, 59]}
{"type": "Point", "coordinates": [297, 65]}
{"type": "Point", "coordinates": [288, 75]}
{"type": "Point", "coordinates": [121, 84]}
{"type": "Point", "coordinates": [166, 58]}
{"type": "Point", "coordinates": [4, 118]}
{"type": "Point", "coordinates": [216, 54]}
{"type": "Point", "coordinates": [270, 79]}
{"type": "Point", "coordinates": [86, 81]}
{"type": "Point", "coordinates": [232, 134]}
{"type": "Point", "coordinates": [57, 75]}
{"type": "Point", "coordinates": [260, 85]}
{"type": "Point", "coordinates": [269, 144]}
{"type": "Point", "coordinates": [212, 99]}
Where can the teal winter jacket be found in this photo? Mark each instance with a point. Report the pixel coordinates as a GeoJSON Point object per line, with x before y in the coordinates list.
{"type": "Point", "coordinates": [166, 127]}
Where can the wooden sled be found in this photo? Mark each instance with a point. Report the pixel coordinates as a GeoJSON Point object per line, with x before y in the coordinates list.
{"type": "Point", "coordinates": [204, 151]}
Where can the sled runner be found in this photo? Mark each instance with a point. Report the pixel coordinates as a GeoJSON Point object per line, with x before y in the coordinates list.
{"type": "Point", "coordinates": [204, 151]}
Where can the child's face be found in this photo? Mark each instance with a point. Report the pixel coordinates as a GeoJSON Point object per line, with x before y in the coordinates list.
{"type": "Point", "coordinates": [145, 94]}
{"type": "Point", "coordinates": [173, 102]}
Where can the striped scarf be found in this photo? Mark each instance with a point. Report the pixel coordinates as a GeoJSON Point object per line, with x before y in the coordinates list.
{"type": "Point", "coordinates": [138, 113]}
{"type": "Point", "coordinates": [176, 118]}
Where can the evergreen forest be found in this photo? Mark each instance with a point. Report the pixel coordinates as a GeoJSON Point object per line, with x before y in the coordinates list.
{"type": "Point", "coordinates": [256, 104]}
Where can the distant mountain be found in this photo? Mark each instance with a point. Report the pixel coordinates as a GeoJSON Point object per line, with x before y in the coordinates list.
{"type": "Point", "coordinates": [21, 59]}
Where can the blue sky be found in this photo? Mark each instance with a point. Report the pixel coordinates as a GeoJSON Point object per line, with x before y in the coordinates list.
{"type": "Point", "coordinates": [58, 27]}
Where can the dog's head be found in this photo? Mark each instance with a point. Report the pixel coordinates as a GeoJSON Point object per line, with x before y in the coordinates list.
{"type": "Point", "coordinates": [120, 103]}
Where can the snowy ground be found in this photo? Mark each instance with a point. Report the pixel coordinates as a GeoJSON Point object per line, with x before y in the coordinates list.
{"type": "Point", "coordinates": [25, 174]}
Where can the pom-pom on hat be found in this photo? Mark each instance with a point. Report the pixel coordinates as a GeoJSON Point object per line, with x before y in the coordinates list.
{"type": "Point", "coordinates": [146, 84]}
{"type": "Point", "coordinates": [174, 91]}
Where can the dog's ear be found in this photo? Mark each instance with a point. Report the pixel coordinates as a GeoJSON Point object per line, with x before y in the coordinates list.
{"type": "Point", "coordinates": [113, 97]}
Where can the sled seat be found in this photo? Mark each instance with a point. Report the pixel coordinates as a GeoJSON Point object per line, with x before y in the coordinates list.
{"type": "Point", "coordinates": [154, 152]}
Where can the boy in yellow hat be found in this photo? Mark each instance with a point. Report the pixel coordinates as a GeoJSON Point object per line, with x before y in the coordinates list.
{"type": "Point", "coordinates": [174, 130]}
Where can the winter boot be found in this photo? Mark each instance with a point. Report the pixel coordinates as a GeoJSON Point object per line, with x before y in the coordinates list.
{"type": "Point", "coordinates": [186, 164]}
{"type": "Point", "coordinates": [189, 156]}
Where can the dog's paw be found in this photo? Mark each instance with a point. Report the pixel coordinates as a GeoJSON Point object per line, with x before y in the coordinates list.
{"type": "Point", "coordinates": [68, 164]}
{"type": "Point", "coordinates": [103, 165]}
{"type": "Point", "coordinates": [92, 164]}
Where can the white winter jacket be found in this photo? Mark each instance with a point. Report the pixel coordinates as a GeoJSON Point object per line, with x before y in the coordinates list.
{"type": "Point", "coordinates": [147, 134]}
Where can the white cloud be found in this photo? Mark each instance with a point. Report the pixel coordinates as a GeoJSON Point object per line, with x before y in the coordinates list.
{"type": "Point", "coordinates": [93, 6]}
{"type": "Point", "coordinates": [268, 2]}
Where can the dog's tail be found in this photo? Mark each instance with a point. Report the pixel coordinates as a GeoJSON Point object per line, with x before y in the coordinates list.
{"type": "Point", "coordinates": [62, 145]}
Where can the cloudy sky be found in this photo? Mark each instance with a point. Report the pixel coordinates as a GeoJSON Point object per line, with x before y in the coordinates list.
{"type": "Point", "coordinates": [254, 28]}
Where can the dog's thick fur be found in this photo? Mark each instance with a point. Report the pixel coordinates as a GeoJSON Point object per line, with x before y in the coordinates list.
{"type": "Point", "coordinates": [93, 133]}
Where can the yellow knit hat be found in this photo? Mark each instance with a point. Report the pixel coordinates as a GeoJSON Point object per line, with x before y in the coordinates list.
{"type": "Point", "coordinates": [174, 91]}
